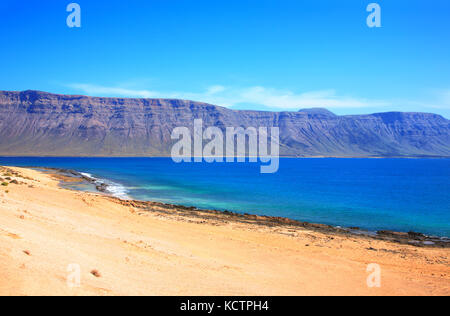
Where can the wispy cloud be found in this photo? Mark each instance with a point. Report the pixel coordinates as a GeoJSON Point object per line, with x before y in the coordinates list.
{"type": "Point", "coordinates": [234, 97]}
{"type": "Point", "coordinates": [111, 91]}
{"type": "Point", "coordinates": [288, 100]}
{"type": "Point", "coordinates": [443, 99]}
{"type": "Point", "coordinates": [433, 99]}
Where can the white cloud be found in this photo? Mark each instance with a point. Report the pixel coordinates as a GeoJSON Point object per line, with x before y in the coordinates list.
{"type": "Point", "coordinates": [215, 89]}
{"type": "Point", "coordinates": [95, 90]}
{"type": "Point", "coordinates": [434, 99]}
{"type": "Point", "coordinates": [288, 100]}
{"type": "Point", "coordinates": [233, 97]}
{"type": "Point", "coordinates": [444, 97]}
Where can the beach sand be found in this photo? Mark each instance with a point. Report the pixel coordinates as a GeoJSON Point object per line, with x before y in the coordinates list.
{"type": "Point", "coordinates": [124, 250]}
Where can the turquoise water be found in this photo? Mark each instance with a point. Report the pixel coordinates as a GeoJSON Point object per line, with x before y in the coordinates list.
{"type": "Point", "coordinates": [374, 194]}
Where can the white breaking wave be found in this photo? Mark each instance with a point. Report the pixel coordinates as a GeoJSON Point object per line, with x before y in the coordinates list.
{"type": "Point", "coordinates": [115, 189]}
{"type": "Point", "coordinates": [88, 175]}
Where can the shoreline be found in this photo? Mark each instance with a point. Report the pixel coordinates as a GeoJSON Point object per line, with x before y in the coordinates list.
{"type": "Point", "coordinates": [148, 248]}
{"type": "Point", "coordinates": [412, 238]}
{"type": "Point", "coordinates": [281, 157]}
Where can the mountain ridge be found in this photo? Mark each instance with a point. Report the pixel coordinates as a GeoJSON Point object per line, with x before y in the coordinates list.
{"type": "Point", "coordinates": [35, 123]}
{"type": "Point", "coordinates": [305, 110]}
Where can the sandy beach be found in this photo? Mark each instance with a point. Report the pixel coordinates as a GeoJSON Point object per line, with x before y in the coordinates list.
{"type": "Point", "coordinates": [121, 249]}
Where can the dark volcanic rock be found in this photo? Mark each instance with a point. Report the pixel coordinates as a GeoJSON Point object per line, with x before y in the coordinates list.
{"type": "Point", "coordinates": [102, 187]}
{"type": "Point", "coordinates": [39, 123]}
{"type": "Point", "coordinates": [389, 233]}
{"type": "Point", "coordinates": [416, 236]}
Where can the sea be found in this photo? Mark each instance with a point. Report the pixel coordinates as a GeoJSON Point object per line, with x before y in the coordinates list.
{"type": "Point", "coordinates": [372, 194]}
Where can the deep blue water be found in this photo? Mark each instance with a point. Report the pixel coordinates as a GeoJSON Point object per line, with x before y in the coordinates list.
{"type": "Point", "coordinates": [374, 194]}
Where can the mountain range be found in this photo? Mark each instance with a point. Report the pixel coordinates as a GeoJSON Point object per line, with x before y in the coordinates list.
{"type": "Point", "coordinates": [34, 123]}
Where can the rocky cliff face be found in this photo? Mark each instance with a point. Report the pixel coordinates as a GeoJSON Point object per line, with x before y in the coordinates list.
{"type": "Point", "coordinates": [39, 123]}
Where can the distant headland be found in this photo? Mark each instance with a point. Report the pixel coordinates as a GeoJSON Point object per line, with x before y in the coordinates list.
{"type": "Point", "coordinates": [34, 123]}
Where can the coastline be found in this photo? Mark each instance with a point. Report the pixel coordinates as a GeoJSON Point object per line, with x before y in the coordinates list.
{"type": "Point", "coordinates": [148, 248]}
{"type": "Point", "coordinates": [412, 238]}
{"type": "Point", "coordinates": [19, 155]}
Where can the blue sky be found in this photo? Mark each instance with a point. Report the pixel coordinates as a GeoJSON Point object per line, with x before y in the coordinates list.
{"type": "Point", "coordinates": [246, 54]}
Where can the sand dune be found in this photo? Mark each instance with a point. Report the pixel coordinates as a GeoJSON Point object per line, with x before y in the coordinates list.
{"type": "Point", "coordinates": [47, 231]}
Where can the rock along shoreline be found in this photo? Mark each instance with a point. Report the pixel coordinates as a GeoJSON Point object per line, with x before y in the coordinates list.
{"type": "Point", "coordinates": [407, 238]}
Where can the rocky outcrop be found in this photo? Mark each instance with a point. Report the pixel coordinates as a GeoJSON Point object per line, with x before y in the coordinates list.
{"type": "Point", "coordinates": [40, 123]}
